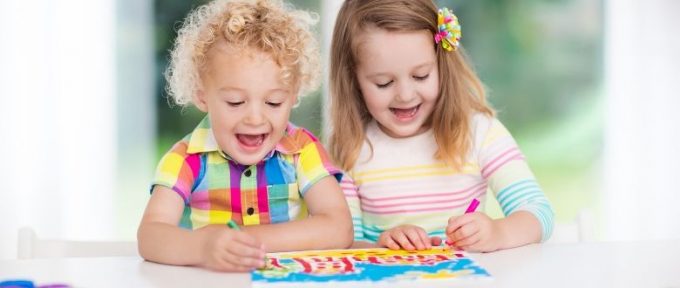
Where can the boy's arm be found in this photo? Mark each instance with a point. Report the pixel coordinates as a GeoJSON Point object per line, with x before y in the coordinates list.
{"type": "Point", "coordinates": [215, 247]}
{"type": "Point", "coordinates": [328, 226]}
{"type": "Point", "coordinates": [159, 225]}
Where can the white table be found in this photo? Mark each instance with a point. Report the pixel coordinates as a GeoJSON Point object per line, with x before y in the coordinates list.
{"type": "Point", "coordinates": [599, 264]}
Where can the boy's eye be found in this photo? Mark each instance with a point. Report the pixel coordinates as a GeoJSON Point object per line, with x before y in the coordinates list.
{"type": "Point", "coordinates": [385, 85]}
{"type": "Point", "coordinates": [235, 103]}
{"type": "Point", "coordinates": [421, 78]}
{"type": "Point", "coordinates": [274, 104]}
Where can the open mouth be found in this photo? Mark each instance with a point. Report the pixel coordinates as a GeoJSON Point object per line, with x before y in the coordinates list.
{"type": "Point", "coordinates": [251, 141]}
{"type": "Point", "coordinates": [405, 113]}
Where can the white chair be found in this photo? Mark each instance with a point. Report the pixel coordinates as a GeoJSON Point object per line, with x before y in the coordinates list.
{"type": "Point", "coordinates": [579, 230]}
{"type": "Point", "coordinates": [30, 246]}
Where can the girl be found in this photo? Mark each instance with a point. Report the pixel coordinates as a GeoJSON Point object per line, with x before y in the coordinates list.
{"type": "Point", "coordinates": [424, 141]}
{"type": "Point", "coordinates": [244, 64]}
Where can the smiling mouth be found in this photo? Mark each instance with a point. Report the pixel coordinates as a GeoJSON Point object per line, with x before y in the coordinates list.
{"type": "Point", "coordinates": [251, 141]}
{"type": "Point", "coordinates": [405, 113]}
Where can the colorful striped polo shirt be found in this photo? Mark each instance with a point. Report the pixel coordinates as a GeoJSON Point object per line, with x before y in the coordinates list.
{"type": "Point", "coordinates": [216, 189]}
{"type": "Point", "coordinates": [401, 182]}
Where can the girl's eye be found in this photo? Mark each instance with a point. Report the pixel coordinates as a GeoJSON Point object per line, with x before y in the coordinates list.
{"type": "Point", "coordinates": [421, 78]}
{"type": "Point", "coordinates": [385, 85]}
{"type": "Point", "coordinates": [274, 104]}
{"type": "Point", "coordinates": [235, 103]}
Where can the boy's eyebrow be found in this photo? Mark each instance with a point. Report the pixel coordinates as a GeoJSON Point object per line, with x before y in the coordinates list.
{"type": "Point", "coordinates": [228, 88]}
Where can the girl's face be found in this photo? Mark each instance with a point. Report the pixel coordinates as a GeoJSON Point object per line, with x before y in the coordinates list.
{"type": "Point", "coordinates": [399, 79]}
{"type": "Point", "coordinates": [246, 101]}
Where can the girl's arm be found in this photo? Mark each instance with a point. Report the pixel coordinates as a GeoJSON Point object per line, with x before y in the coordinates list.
{"type": "Point", "coordinates": [328, 226]}
{"type": "Point", "coordinates": [351, 192]}
{"type": "Point", "coordinates": [215, 247]}
{"type": "Point", "coordinates": [529, 216]}
{"type": "Point", "coordinates": [518, 229]}
{"type": "Point", "coordinates": [478, 232]}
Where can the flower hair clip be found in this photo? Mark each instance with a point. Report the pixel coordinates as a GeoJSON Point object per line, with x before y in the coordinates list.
{"type": "Point", "coordinates": [448, 30]}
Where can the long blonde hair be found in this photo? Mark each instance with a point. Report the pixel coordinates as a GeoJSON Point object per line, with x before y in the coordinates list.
{"type": "Point", "coordinates": [461, 92]}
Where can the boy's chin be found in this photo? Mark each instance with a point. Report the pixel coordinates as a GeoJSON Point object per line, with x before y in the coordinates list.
{"type": "Point", "coordinates": [249, 159]}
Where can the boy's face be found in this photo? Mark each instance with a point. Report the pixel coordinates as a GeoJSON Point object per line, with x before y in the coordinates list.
{"type": "Point", "coordinates": [247, 103]}
{"type": "Point", "coordinates": [399, 79]}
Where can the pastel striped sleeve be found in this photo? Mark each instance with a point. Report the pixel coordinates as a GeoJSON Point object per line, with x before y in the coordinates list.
{"type": "Point", "coordinates": [504, 167]}
{"type": "Point", "coordinates": [178, 170]}
{"type": "Point", "coordinates": [313, 162]}
{"type": "Point", "coordinates": [351, 192]}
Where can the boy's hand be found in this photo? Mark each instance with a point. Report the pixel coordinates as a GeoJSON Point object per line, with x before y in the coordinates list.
{"type": "Point", "coordinates": [474, 232]}
{"type": "Point", "coordinates": [407, 237]}
{"type": "Point", "coordinates": [230, 250]}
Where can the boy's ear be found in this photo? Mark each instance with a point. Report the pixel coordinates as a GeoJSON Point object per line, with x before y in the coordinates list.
{"type": "Point", "coordinates": [200, 101]}
{"type": "Point", "coordinates": [296, 99]}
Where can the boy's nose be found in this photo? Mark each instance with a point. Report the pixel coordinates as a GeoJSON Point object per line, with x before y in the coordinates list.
{"type": "Point", "coordinates": [254, 117]}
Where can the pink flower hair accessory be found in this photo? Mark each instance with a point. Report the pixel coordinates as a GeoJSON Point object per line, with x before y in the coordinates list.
{"type": "Point", "coordinates": [448, 30]}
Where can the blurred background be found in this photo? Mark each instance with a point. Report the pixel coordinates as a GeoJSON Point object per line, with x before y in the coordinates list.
{"type": "Point", "coordinates": [589, 89]}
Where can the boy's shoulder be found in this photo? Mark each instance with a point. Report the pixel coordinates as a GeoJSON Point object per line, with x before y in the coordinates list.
{"type": "Point", "coordinates": [181, 147]}
{"type": "Point", "coordinates": [295, 139]}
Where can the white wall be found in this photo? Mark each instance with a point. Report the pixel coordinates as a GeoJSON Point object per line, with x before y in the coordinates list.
{"type": "Point", "coordinates": [63, 135]}
{"type": "Point", "coordinates": [642, 135]}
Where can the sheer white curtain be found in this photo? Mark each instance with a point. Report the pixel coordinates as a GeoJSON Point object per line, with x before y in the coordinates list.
{"type": "Point", "coordinates": [60, 120]}
{"type": "Point", "coordinates": [329, 11]}
{"type": "Point", "coordinates": [641, 198]}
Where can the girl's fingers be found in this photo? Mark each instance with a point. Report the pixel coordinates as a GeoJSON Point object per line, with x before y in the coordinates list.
{"type": "Point", "coordinates": [457, 222]}
{"type": "Point", "coordinates": [403, 241]}
{"type": "Point", "coordinates": [467, 241]}
{"type": "Point", "coordinates": [391, 244]}
{"type": "Point", "coordinates": [424, 238]}
{"type": "Point", "coordinates": [472, 248]}
{"type": "Point", "coordinates": [414, 238]}
{"type": "Point", "coordinates": [436, 241]}
{"type": "Point", "coordinates": [464, 232]}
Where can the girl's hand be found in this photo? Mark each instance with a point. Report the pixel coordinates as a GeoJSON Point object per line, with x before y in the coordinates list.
{"type": "Point", "coordinates": [474, 232]}
{"type": "Point", "coordinates": [230, 250]}
{"type": "Point", "coordinates": [407, 237]}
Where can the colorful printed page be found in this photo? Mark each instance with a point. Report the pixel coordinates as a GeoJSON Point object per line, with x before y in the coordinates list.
{"type": "Point", "coordinates": [369, 268]}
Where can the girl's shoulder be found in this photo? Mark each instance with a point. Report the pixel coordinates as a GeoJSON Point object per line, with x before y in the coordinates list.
{"type": "Point", "coordinates": [481, 124]}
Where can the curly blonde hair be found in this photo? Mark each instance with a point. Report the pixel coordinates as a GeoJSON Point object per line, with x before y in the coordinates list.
{"type": "Point", "coordinates": [266, 25]}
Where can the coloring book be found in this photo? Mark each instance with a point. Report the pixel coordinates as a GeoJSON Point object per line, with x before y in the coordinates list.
{"type": "Point", "coordinates": [369, 268]}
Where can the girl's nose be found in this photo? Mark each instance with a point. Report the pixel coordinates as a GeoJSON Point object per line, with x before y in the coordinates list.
{"type": "Point", "coordinates": [405, 93]}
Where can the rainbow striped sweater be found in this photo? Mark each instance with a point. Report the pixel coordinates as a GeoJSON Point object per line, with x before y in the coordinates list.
{"type": "Point", "coordinates": [401, 182]}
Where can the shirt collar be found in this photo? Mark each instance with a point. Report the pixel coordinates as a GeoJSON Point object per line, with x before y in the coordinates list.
{"type": "Point", "coordinates": [202, 140]}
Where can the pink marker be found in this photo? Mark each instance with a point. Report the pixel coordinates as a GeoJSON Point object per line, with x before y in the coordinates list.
{"type": "Point", "coordinates": [471, 208]}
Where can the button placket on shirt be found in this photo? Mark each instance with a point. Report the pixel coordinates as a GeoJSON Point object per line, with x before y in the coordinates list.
{"type": "Point", "coordinates": [247, 173]}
